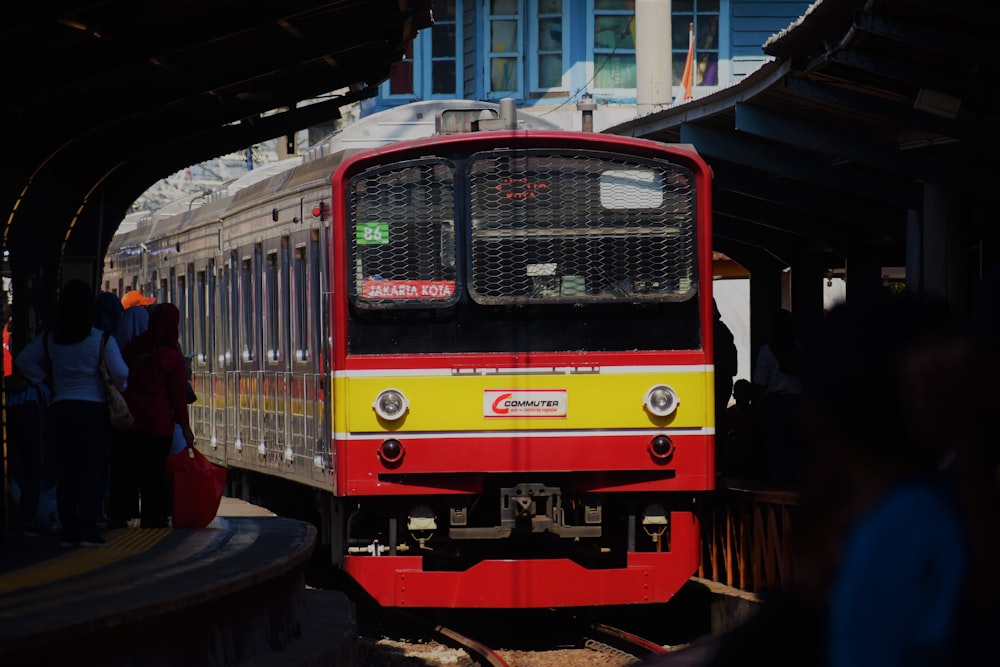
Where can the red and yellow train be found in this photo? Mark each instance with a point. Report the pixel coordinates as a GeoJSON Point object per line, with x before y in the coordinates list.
{"type": "Point", "coordinates": [486, 355]}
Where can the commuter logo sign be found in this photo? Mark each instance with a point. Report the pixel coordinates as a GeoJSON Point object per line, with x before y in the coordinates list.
{"type": "Point", "coordinates": [521, 403]}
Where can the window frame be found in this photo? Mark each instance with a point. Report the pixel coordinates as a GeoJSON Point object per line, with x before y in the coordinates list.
{"type": "Point", "coordinates": [224, 331]}
{"type": "Point", "coordinates": [593, 54]}
{"type": "Point", "coordinates": [201, 313]}
{"type": "Point", "coordinates": [722, 51]}
{"type": "Point", "coordinates": [489, 54]}
{"type": "Point", "coordinates": [271, 306]}
{"type": "Point", "coordinates": [534, 65]}
{"type": "Point", "coordinates": [298, 310]}
{"type": "Point", "coordinates": [421, 58]}
{"type": "Point", "coordinates": [678, 86]}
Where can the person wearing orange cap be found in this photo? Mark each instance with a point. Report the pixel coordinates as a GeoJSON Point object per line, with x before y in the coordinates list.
{"type": "Point", "coordinates": [135, 298]}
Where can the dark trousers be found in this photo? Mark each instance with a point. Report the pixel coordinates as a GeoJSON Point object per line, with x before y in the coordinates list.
{"type": "Point", "coordinates": [82, 436]}
{"type": "Point", "coordinates": [123, 498]}
{"type": "Point", "coordinates": [149, 454]}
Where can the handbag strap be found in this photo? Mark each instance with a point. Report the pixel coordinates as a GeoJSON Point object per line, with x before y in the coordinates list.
{"type": "Point", "coordinates": [102, 367]}
{"type": "Point", "coordinates": [50, 379]}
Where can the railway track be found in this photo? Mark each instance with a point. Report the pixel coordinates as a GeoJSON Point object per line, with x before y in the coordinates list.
{"type": "Point", "coordinates": [554, 639]}
{"type": "Point", "coordinates": [574, 637]}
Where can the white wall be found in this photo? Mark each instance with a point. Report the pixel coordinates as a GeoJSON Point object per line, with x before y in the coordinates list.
{"type": "Point", "coordinates": [733, 297]}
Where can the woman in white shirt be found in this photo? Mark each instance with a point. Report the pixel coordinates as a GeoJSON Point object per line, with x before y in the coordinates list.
{"type": "Point", "coordinates": [67, 358]}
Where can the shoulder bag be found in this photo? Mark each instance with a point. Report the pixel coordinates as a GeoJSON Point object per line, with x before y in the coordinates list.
{"type": "Point", "coordinates": [118, 412]}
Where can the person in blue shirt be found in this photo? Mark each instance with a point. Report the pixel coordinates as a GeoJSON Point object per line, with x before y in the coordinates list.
{"type": "Point", "coordinates": [883, 545]}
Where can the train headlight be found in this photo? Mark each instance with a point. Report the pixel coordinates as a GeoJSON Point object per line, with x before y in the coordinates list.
{"type": "Point", "coordinates": [391, 404]}
{"type": "Point", "coordinates": [661, 401]}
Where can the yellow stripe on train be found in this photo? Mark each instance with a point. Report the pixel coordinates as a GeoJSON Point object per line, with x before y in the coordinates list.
{"type": "Point", "coordinates": [503, 402]}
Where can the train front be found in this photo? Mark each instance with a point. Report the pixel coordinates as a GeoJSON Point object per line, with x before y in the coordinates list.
{"type": "Point", "coordinates": [522, 383]}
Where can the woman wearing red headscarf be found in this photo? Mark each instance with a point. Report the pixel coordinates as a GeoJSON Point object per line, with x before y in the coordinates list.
{"type": "Point", "coordinates": [156, 398]}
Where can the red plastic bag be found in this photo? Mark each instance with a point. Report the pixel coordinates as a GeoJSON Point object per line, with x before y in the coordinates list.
{"type": "Point", "coordinates": [197, 488]}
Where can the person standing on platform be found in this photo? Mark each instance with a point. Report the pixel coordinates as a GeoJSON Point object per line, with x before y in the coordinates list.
{"type": "Point", "coordinates": [881, 541]}
{"type": "Point", "coordinates": [27, 445]}
{"type": "Point", "coordinates": [107, 311]}
{"type": "Point", "coordinates": [157, 398]}
{"type": "Point", "coordinates": [741, 455]}
{"type": "Point", "coordinates": [134, 297]}
{"type": "Point", "coordinates": [881, 538]}
{"type": "Point", "coordinates": [81, 431]}
{"type": "Point", "coordinates": [123, 501]}
{"type": "Point", "coordinates": [777, 390]}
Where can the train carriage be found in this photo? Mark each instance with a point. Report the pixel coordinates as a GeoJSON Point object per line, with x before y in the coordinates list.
{"type": "Point", "coordinates": [486, 354]}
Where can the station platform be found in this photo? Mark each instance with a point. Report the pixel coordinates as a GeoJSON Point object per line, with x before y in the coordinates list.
{"type": "Point", "coordinates": [229, 594]}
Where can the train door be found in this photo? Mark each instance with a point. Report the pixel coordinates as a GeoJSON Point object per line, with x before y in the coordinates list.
{"type": "Point", "coordinates": [274, 378]}
{"type": "Point", "coordinates": [200, 352]}
{"type": "Point", "coordinates": [223, 373]}
{"type": "Point", "coordinates": [322, 261]}
{"type": "Point", "coordinates": [183, 302]}
{"type": "Point", "coordinates": [249, 416]}
{"type": "Point", "coordinates": [310, 439]}
{"type": "Point", "coordinates": [163, 289]}
{"type": "Point", "coordinates": [170, 289]}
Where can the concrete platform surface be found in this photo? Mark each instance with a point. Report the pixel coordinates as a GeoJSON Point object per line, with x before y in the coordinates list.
{"type": "Point", "coordinates": [229, 594]}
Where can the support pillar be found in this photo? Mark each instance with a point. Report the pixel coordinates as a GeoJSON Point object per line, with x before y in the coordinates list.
{"type": "Point", "coordinates": [807, 291]}
{"type": "Point", "coordinates": [949, 268]}
{"type": "Point", "coordinates": [864, 271]}
{"type": "Point", "coordinates": [653, 55]}
{"type": "Point", "coordinates": [765, 298]}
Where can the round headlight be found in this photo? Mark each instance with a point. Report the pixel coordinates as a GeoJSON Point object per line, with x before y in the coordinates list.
{"type": "Point", "coordinates": [390, 404]}
{"type": "Point", "coordinates": [661, 401]}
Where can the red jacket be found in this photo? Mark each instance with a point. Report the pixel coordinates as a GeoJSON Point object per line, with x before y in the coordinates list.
{"type": "Point", "coordinates": [157, 375]}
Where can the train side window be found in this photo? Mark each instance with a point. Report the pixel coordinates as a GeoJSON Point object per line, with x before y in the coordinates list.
{"type": "Point", "coordinates": [223, 333]}
{"type": "Point", "coordinates": [272, 326]}
{"type": "Point", "coordinates": [299, 304]}
{"type": "Point", "coordinates": [315, 273]}
{"type": "Point", "coordinates": [246, 310]}
{"type": "Point", "coordinates": [210, 292]}
{"type": "Point", "coordinates": [171, 295]}
{"type": "Point", "coordinates": [190, 315]}
{"type": "Point", "coordinates": [163, 295]}
{"type": "Point", "coordinates": [199, 316]}
{"type": "Point", "coordinates": [285, 296]}
{"type": "Point", "coordinates": [182, 306]}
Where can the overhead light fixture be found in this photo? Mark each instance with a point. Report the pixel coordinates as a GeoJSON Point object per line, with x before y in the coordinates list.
{"type": "Point", "coordinates": [937, 103]}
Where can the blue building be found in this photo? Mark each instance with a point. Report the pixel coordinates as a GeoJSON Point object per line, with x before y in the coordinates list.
{"type": "Point", "coordinates": [548, 54]}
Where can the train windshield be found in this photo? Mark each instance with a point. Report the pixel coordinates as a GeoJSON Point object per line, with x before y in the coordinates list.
{"type": "Point", "coordinates": [507, 250]}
